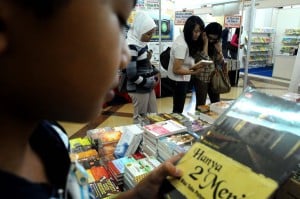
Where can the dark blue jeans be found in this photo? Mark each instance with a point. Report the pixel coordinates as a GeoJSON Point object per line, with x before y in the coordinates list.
{"type": "Point", "coordinates": [179, 95]}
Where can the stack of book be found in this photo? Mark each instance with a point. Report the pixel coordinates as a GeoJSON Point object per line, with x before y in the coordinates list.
{"type": "Point", "coordinates": [116, 169]}
{"type": "Point", "coordinates": [171, 145]}
{"type": "Point", "coordinates": [157, 130]}
{"type": "Point", "coordinates": [135, 171]}
{"type": "Point", "coordinates": [131, 138]}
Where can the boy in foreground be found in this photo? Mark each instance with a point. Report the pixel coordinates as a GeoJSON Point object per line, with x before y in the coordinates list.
{"type": "Point", "coordinates": [59, 61]}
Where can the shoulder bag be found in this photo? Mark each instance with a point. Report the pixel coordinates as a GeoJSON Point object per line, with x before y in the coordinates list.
{"type": "Point", "coordinates": [220, 80]}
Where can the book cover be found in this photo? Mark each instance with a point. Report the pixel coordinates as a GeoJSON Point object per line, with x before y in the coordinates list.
{"type": "Point", "coordinates": [164, 128]}
{"type": "Point", "coordinates": [99, 172]}
{"type": "Point", "coordinates": [102, 136]}
{"type": "Point", "coordinates": [104, 188]}
{"type": "Point", "coordinates": [129, 141]}
{"type": "Point", "coordinates": [153, 118]}
{"type": "Point", "coordinates": [248, 152]}
{"type": "Point", "coordinates": [174, 144]}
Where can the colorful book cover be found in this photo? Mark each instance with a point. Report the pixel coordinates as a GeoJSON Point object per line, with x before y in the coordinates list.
{"type": "Point", "coordinates": [153, 118]}
{"type": "Point", "coordinates": [90, 162]}
{"type": "Point", "coordinates": [164, 128]}
{"type": "Point", "coordinates": [102, 136]}
{"type": "Point", "coordinates": [99, 172]}
{"type": "Point", "coordinates": [104, 188]}
{"type": "Point", "coordinates": [129, 141]}
{"type": "Point", "coordinates": [248, 152]}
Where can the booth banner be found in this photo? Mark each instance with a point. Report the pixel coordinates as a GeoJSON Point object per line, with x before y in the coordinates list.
{"type": "Point", "coordinates": [232, 21]}
{"type": "Point", "coordinates": [140, 4]}
{"type": "Point", "coordinates": [182, 16]}
{"type": "Point", "coordinates": [152, 4]}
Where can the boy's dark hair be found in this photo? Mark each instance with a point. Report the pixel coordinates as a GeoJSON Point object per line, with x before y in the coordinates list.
{"type": "Point", "coordinates": [213, 28]}
{"type": "Point", "coordinates": [188, 29]}
{"type": "Point", "coordinates": [42, 8]}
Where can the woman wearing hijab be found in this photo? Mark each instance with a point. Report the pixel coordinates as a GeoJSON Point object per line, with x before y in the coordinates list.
{"type": "Point", "coordinates": [142, 76]}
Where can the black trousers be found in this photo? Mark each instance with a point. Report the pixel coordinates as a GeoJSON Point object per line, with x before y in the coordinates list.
{"type": "Point", "coordinates": [202, 89]}
{"type": "Point", "coordinates": [179, 94]}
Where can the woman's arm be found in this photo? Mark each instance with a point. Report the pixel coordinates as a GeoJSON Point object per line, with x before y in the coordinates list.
{"type": "Point", "coordinates": [178, 68]}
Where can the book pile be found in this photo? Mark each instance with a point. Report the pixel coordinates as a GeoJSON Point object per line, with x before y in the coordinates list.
{"type": "Point", "coordinates": [135, 171]}
{"type": "Point", "coordinates": [131, 138]}
{"type": "Point", "coordinates": [160, 129]}
{"type": "Point", "coordinates": [99, 179]}
{"type": "Point", "coordinates": [171, 145]}
{"type": "Point", "coordinates": [249, 151]}
{"type": "Point", "coordinates": [116, 169]}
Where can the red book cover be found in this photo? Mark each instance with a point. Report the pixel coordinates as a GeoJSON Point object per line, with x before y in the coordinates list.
{"type": "Point", "coordinates": [99, 172]}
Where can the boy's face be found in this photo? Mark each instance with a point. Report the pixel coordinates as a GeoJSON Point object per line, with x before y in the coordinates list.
{"type": "Point", "coordinates": [62, 67]}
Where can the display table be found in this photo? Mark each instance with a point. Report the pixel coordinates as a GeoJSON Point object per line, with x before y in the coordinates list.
{"type": "Point", "coordinates": [283, 66]}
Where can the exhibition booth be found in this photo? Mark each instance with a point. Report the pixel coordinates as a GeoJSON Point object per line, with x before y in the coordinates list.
{"type": "Point", "coordinates": [271, 30]}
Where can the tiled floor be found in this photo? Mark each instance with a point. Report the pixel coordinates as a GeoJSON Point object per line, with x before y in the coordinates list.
{"type": "Point", "coordinates": [122, 114]}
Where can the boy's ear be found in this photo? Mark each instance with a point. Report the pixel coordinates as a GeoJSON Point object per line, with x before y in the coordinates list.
{"type": "Point", "coordinates": [3, 36]}
{"type": "Point", "coordinates": [3, 42]}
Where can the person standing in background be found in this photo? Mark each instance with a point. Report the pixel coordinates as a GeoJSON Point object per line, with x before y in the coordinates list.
{"type": "Point", "coordinates": [183, 49]}
{"type": "Point", "coordinates": [212, 51]}
{"type": "Point", "coordinates": [225, 36]}
{"type": "Point", "coordinates": [234, 44]}
{"type": "Point", "coordinates": [142, 76]}
{"type": "Point", "coordinates": [234, 73]}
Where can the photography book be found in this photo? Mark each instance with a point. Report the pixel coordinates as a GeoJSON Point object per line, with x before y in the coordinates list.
{"type": "Point", "coordinates": [248, 152]}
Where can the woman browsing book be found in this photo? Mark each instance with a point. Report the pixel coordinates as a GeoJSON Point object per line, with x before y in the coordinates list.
{"type": "Point", "coordinates": [182, 64]}
{"type": "Point", "coordinates": [212, 50]}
